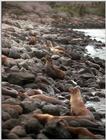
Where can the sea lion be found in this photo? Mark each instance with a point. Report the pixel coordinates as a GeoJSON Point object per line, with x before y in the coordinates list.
{"type": "Point", "coordinates": [54, 48]}
{"type": "Point", "coordinates": [53, 70]}
{"type": "Point", "coordinates": [48, 117]}
{"type": "Point", "coordinates": [41, 97]}
{"type": "Point", "coordinates": [78, 130]}
{"type": "Point", "coordinates": [78, 107]}
{"type": "Point", "coordinates": [4, 59]}
{"type": "Point", "coordinates": [48, 99]}
{"type": "Point", "coordinates": [32, 39]}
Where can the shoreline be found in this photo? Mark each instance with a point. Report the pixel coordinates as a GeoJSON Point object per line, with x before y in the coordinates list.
{"type": "Point", "coordinates": [24, 49]}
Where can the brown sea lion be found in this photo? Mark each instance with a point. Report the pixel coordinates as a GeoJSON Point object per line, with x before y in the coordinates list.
{"type": "Point", "coordinates": [53, 70]}
{"type": "Point", "coordinates": [78, 107]}
{"type": "Point", "coordinates": [49, 117]}
{"type": "Point", "coordinates": [78, 130]}
{"type": "Point", "coordinates": [7, 61]}
{"type": "Point", "coordinates": [32, 40]}
{"type": "Point", "coordinates": [48, 99]}
{"type": "Point", "coordinates": [42, 97]}
{"type": "Point", "coordinates": [54, 48]}
{"type": "Point", "coordinates": [4, 59]}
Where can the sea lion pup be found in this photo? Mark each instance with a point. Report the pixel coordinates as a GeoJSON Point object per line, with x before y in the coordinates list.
{"type": "Point", "coordinates": [48, 99]}
{"type": "Point", "coordinates": [77, 130]}
{"type": "Point", "coordinates": [78, 107]}
{"type": "Point", "coordinates": [52, 70]}
{"type": "Point", "coordinates": [55, 49]}
{"type": "Point", "coordinates": [32, 39]}
{"type": "Point", "coordinates": [42, 97]}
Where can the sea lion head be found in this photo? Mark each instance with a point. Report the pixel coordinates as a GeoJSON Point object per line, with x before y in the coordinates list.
{"type": "Point", "coordinates": [4, 59]}
{"type": "Point", "coordinates": [74, 90]}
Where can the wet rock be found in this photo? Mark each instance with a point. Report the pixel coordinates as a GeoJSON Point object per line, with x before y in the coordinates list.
{"type": "Point", "coordinates": [9, 92]}
{"type": "Point", "coordinates": [5, 116]}
{"type": "Point", "coordinates": [33, 126]}
{"type": "Point", "coordinates": [97, 116]}
{"type": "Point", "coordinates": [29, 106]}
{"type": "Point", "coordinates": [19, 130]}
{"type": "Point", "coordinates": [95, 99]}
{"type": "Point", "coordinates": [21, 78]}
{"type": "Point", "coordinates": [99, 61]}
{"type": "Point", "coordinates": [100, 94]}
{"type": "Point", "coordinates": [9, 124]}
{"type": "Point", "coordinates": [92, 109]}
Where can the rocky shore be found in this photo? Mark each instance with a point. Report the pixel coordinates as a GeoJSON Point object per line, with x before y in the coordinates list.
{"type": "Point", "coordinates": [25, 45]}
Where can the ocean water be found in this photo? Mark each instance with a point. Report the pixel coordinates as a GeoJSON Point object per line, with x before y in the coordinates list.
{"type": "Point", "coordinates": [99, 35]}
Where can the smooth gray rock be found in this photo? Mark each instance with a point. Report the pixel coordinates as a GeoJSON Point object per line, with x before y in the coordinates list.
{"type": "Point", "coordinates": [20, 78]}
